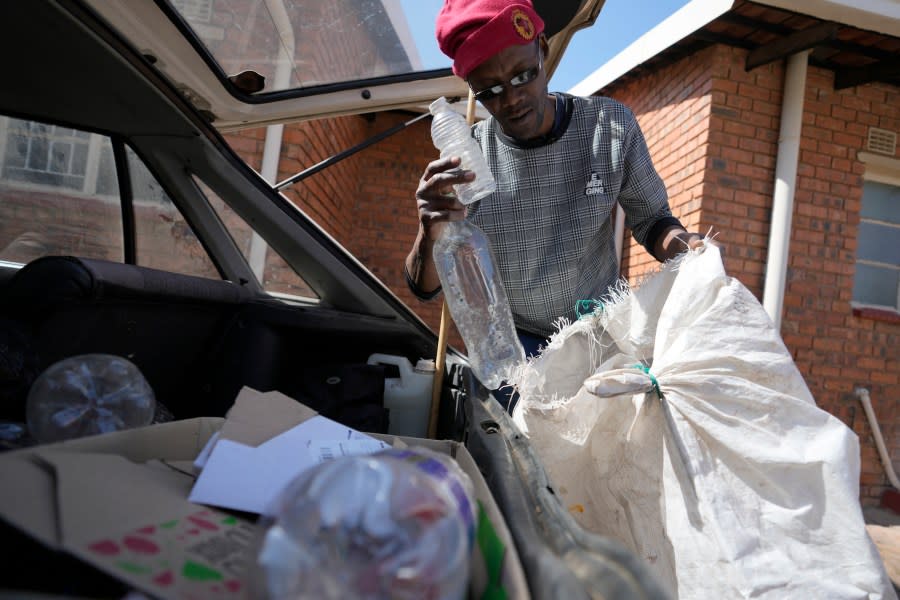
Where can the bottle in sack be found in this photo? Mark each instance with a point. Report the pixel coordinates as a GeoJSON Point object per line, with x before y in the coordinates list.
{"type": "Point", "coordinates": [473, 288]}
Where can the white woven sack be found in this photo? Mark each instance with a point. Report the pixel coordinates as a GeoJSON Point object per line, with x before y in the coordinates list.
{"type": "Point", "coordinates": [732, 483]}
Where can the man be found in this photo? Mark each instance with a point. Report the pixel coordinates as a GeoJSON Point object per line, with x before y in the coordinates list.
{"type": "Point", "coordinates": [562, 163]}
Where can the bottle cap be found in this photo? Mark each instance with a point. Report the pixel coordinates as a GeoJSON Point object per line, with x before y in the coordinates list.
{"type": "Point", "coordinates": [426, 365]}
{"type": "Point", "coordinates": [437, 105]}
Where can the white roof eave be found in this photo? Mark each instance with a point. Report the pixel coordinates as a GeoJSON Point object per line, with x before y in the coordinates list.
{"type": "Point", "coordinates": [688, 19]}
{"type": "Point", "coordinates": [880, 16]}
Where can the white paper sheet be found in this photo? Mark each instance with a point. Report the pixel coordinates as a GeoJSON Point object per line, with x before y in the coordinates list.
{"type": "Point", "coordinates": [245, 478]}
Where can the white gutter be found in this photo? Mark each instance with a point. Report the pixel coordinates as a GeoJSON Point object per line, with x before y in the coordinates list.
{"type": "Point", "coordinates": [274, 133]}
{"type": "Point", "coordinates": [785, 183]}
{"type": "Point", "coordinates": [863, 395]}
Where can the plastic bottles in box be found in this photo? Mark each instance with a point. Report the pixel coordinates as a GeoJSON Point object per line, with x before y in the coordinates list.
{"type": "Point", "coordinates": [473, 288]}
{"type": "Point", "coordinates": [397, 524]}
{"type": "Point", "coordinates": [87, 395]}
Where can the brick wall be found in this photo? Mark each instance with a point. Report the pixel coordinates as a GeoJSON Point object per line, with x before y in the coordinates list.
{"type": "Point", "coordinates": [839, 350]}
{"type": "Point", "coordinates": [327, 196]}
{"type": "Point", "coordinates": [36, 222]}
{"type": "Point", "coordinates": [726, 181]}
{"type": "Point", "coordinates": [672, 107]}
{"type": "Point", "coordinates": [386, 207]}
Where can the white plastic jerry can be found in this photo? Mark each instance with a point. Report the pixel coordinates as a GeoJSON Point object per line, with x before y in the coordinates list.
{"type": "Point", "coordinates": [408, 397]}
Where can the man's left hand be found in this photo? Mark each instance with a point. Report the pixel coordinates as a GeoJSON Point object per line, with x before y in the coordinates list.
{"type": "Point", "coordinates": [677, 240]}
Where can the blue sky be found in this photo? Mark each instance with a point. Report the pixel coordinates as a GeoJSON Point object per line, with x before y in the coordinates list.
{"type": "Point", "coordinates": [619, 24]}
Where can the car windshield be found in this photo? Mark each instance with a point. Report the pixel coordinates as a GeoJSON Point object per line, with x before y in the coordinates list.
{"type": "Point", "coordinates": [337, 42]}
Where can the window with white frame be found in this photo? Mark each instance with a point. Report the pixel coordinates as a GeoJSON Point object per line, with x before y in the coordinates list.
{"type": "Point", "coordinates": [876, 280]}
{"type": "Point", "coordinates": [46, 154]}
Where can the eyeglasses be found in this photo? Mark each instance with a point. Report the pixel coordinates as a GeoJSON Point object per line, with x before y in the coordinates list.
{"type": "Point", "coordinates": [523, 78]}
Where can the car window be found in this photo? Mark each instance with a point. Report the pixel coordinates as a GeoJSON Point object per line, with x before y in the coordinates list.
{"type": "Point", "coordinates": [271, 270]}
{"type": "Point", "coordinates": [301, 44]}
{"type": "Point", "coordinates": [58, 193]}
{"type": "Point", "coordinates": [164, 240]}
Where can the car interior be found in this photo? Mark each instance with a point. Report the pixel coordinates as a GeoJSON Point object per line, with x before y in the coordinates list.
{"type": "Point", "coordinates": [197, 339]}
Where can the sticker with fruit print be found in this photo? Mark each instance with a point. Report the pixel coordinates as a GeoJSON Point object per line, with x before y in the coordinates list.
{"type": "Point", "coordinates": [200, 555]}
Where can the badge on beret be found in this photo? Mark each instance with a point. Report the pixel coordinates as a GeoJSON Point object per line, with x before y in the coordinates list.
{"type": "Point", "coordinates": [524, 26]}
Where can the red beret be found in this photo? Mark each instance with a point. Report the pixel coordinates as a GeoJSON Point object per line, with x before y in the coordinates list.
{"type": "Point", "coordinates": [471, 31]}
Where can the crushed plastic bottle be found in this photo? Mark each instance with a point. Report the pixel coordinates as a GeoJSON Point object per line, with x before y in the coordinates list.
{"type": "Point", "coordinates": [87, 395]}
{"type": "Point", "coordinates": [473, 288]}
{"type": "Point", "coordinates": [397, 524]}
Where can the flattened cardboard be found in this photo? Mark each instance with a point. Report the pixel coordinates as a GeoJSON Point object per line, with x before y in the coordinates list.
{"type": "Point", "coordinates": [256, 417]}
{"type": "Point", "coordinates": [201, 554]}
{"type": "Point", "coordinates": [93, 490]}
{"type": "Point", "coordinates": [159, 543]}
{"type": "Point", "coordinates": [99, 499]}
{"type": "Point", "coordinates": [31, 503]}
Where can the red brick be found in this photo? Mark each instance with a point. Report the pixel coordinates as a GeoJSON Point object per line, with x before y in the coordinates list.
{"type": "Point", "coordinates": [843, 113]}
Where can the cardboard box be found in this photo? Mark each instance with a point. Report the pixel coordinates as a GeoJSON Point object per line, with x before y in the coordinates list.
{"type": "Point", "coordinates": [119, 502]}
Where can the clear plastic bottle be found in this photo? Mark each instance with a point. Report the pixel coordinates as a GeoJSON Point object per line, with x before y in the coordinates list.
{"type": "Point", "coordinates": [464, 260]}
{"type": "Point", "coordinates": [452, 136]}
{"type": "Point", "coordinates": [87, 395]}
{"type": "Point", "coordinates": [477, 302]}
{"type": "Point", "coordinates": [397, 524]}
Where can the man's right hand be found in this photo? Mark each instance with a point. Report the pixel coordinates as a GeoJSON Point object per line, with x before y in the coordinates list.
{"type": "Point", "coordinates": [436, 200]}
{"type": "Point", "coordinates": [438, 205]}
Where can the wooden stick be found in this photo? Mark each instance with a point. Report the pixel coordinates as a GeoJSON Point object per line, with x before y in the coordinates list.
{"type": "Point", "coordinates": [441, 356]}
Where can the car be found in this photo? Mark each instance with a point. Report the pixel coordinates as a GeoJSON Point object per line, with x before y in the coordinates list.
{"type": "Point", "coordinates": [130, 226]}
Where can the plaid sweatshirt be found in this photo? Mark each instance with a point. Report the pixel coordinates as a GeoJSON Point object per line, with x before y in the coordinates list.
{"type": "Point", "coordinates": [549, 221]}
